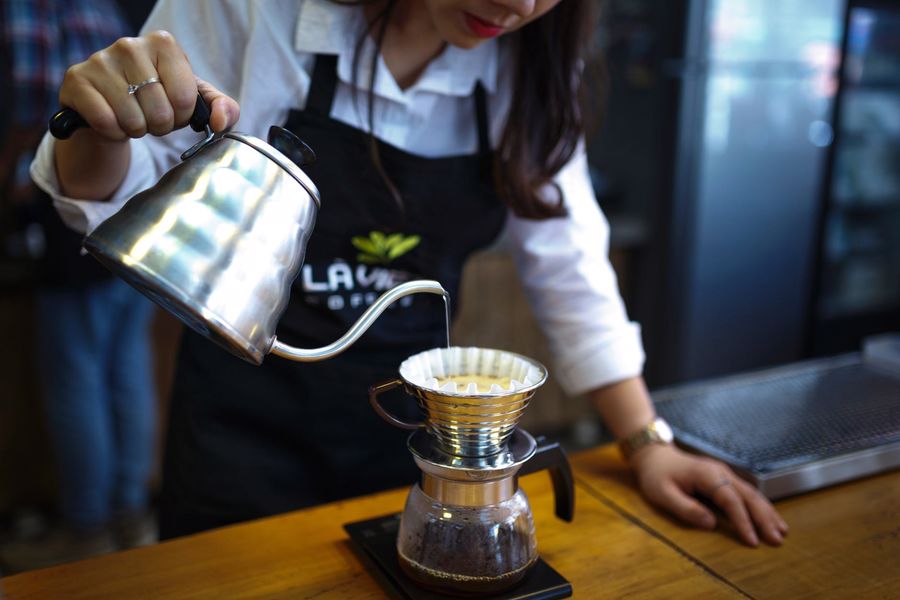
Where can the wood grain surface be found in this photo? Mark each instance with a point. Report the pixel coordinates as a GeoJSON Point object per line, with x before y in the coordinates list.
{"type": "Point", "coordinates": [306, 554]}
{"type": "Point", "coordinates": [844, 540]}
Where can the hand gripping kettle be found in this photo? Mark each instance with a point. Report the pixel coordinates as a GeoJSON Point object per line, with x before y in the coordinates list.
{"type": "Point", "coordinates": [219, 240]}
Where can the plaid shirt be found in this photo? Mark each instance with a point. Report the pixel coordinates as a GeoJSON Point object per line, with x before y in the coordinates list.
{"type": "Point", "coordinates": [42, 39]}
{"type": "Point", "coordinates": [39, 40]}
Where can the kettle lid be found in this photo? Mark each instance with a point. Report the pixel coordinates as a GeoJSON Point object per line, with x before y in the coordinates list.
{"type": "Point", "coordinates": [276, 155]}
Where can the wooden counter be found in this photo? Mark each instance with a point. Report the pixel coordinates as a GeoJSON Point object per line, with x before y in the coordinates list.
{"type": "Point", "coordinates": [842, 540]}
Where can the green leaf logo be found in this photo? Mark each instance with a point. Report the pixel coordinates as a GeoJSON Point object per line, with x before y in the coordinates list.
{"type": "Point", "coordinates": [379, 248]}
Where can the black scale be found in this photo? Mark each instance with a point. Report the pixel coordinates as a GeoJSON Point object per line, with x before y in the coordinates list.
{"type": "Point", "coordinates": [378, 540]}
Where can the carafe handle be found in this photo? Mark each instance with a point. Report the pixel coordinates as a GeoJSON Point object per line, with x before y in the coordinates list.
{"type": "Point", "coordinates": [551, 456]}
{"type": "Point", "coordinates": [373, 400]}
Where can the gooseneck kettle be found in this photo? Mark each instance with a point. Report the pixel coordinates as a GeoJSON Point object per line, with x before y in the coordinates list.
{"type": "Point", "coordinates": [219, 240]}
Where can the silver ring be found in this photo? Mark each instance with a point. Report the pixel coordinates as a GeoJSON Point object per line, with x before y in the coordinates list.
{"type": "Point", "coordinates": [721, 483]}
{"type": "Point", "coordinates": [134, 87]}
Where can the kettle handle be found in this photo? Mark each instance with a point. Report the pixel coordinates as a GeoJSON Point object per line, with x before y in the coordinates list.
{"type": "Point", "coordinates": [67, 121]}
{"type": "Point", "coordinates": [551, 456]}
{"type": "Point", "coordinates": [373, 400]}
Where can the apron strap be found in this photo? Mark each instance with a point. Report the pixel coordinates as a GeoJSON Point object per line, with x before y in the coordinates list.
{"type": "Point", "coordinates": [322, 84]}
{"type": "Point", "coordinates": [481, 113]}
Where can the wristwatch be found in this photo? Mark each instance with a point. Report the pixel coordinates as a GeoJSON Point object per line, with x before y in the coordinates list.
{"type": "Point", "coordinates": [657, 432]}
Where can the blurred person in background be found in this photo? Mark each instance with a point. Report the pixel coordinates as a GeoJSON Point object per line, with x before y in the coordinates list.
{"type": "Point", "coordinates": [92, 341]}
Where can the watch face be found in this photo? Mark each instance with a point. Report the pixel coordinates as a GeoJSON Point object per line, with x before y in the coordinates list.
{"type": "Point", "coordinates": [664, 431]}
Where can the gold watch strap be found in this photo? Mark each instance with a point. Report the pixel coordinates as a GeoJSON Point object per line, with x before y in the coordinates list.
{"type": "Point", "coordinates": [656, 432]}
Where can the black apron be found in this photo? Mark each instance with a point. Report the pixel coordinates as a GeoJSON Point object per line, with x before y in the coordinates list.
{"type": "Point", "coordinates": [247, 441]}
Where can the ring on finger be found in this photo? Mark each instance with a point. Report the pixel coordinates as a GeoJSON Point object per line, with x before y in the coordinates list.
{"type": "Point", "coordinates": [134, 87]}
{"type": "Point", "coordinates": [721, 483]}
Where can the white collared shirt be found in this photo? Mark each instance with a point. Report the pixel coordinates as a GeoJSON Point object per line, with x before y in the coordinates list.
{"type": "Point", "coordinates": [261, 54]}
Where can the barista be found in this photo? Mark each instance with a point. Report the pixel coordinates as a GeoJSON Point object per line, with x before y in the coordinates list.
{"type": "Point", "coordinates": [438, 124]}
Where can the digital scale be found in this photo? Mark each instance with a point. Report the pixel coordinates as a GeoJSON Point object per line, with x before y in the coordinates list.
{"type": "Point", "coordinates": [377, 538]}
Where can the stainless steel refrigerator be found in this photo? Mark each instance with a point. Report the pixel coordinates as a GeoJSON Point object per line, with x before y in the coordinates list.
{"type": "Point", "coordinates": [754, 252]}
{"type": "Point", "coordinates": [758, 91]}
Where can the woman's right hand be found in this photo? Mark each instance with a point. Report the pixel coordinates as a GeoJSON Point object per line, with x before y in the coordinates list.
{"type": "Point", "coordinates": [98, 90]}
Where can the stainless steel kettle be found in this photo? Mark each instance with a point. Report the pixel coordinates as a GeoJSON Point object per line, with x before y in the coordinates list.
{"type": "Point", "coordinates": [219, 240]}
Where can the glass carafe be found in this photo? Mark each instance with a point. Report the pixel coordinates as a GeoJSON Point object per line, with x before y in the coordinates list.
{"type": "Point", "coordinates": [467, 528]}
{"type": "Point", "coordinates": [466, 549]}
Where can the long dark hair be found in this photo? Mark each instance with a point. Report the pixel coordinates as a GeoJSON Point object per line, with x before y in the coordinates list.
{"type": "Point", "coordinates": [546, 118]}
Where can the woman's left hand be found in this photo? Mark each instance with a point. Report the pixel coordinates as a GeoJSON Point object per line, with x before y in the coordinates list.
{"type": "Point", "coordinates": [669, 478]}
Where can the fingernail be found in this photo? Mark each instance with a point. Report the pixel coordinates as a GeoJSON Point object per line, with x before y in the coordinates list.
{"type": "Point", "coordinates": [751, 537]}
{"type": "Point", "coordinates": [776, 535]}
{"type": "Point", "coordinates": [707, 521]}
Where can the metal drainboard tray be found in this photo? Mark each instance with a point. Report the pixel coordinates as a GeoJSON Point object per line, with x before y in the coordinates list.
{"type": "Point", "coordinates": [793, 428]}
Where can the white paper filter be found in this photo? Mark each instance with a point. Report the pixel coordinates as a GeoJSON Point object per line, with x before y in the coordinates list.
{"type": "Point", "coordinates": [424, 370]}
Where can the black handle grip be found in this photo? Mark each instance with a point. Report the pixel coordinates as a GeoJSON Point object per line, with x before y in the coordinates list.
{"type": "Point", "coordinates": [200, 117]}
{"type": "Point", "coordinates": [66, 121]}
{"type": "Point", "coordinates": [551, 456]}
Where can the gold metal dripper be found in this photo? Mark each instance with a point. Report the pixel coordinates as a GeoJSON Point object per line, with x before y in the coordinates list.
{"type": "Point", "coordinates": [465, 423]}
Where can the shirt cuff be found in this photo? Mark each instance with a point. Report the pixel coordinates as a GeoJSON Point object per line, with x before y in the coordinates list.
{"type": "Point", "coordinates": [613, 358]}
{"type": "Point", "coordinates": [85, 215]}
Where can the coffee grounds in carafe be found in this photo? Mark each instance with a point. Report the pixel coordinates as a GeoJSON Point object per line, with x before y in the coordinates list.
{"type": "Point", "coordinates": [468, 558]}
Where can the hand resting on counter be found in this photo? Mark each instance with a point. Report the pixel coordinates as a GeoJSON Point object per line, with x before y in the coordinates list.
{"type": "Point", "coordinates": [670, 478]}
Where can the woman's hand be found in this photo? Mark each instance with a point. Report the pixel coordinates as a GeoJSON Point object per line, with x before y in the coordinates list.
{"type": "Point", "coordinates": [98, 90]}
{"type": "Point", "coordinates": [93, 162]}
{"type": "Point", "coordinates": [669, 477]}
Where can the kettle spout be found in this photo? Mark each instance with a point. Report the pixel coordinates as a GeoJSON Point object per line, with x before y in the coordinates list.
{"type": "Point", "coordinates": [365, 321]}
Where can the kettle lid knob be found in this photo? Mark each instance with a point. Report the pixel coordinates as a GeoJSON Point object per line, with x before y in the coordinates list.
{"type": "Point", "coordinates": [291, 146]}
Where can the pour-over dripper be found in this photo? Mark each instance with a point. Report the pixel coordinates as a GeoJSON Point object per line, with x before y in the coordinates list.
{"type": "Point", "coordinates": [464, 423]}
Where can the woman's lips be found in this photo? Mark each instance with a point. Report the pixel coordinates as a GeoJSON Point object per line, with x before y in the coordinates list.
{"type": "Point", "coordinates": [482, 28]}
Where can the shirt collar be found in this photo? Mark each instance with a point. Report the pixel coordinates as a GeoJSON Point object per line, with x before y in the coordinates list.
{"type": "Point", "coordinates": [325, 27]}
